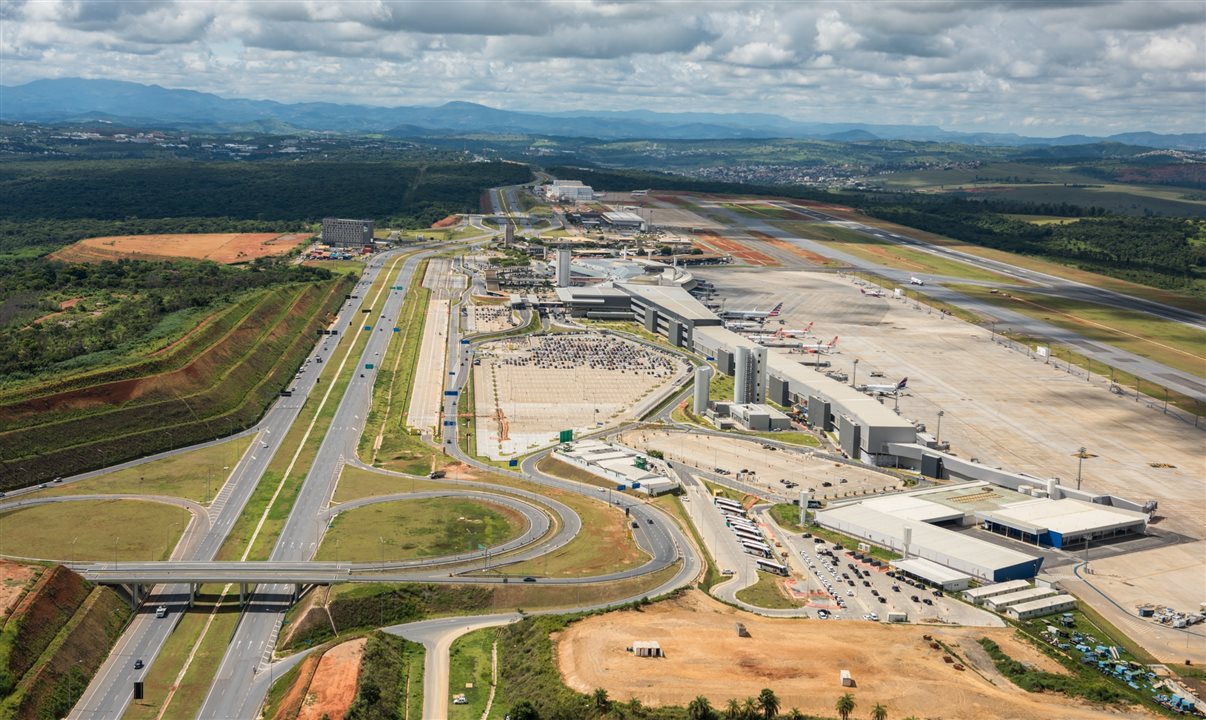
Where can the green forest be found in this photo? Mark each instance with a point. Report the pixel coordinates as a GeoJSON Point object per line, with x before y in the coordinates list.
{"type": "Point", "coordinates": [50, 204]}
{"type": "Point", "coordinates": [1165, 252]}
{"type": "Point", "coordinates": [112, 307]}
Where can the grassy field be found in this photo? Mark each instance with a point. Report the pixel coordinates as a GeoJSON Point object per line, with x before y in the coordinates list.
{"type": "Point", "coordinates": [1041, 219]}
{"type": "Point", "coordinates": [355, 483]}
{"type": "Point", "coordinates": [787, 516]}
{"type": "Point", "coordinates": [1173, 344]}
{"type": "Point", "coordinates": [766, 593]}
{"type": "Point", "coordinates": [408, 529]}
{"type": "Point", "coordinates": [132, 530]}
{"type": "Point", "coordinates": [605, 544]}
{"type": "Point", "coordinates": [208, 652]}
{"type": "Point", "coordinates": [193, 475]}
{"type": "Point", "coordinates": [469, 672]}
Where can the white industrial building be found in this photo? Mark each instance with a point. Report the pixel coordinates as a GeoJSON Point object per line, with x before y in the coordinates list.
{"type": "Point", "coordinates": [999, 603]}
{"type": "Point", "coordinates": [978, 595]}
{"type": "Point", "coordinates": [939, 576]}
{"type": "Point", "coordinates": [624, 466]}
{"type": "Point", "coordinates": [759, 418]}
{"type": "Point", "coordinates": [569, 191]}
{"type": "Point", "coordinates": [624, 220]}
{"type": "Point", "coordinates": [958, 551]}
{"type": "Point", "coordinates": [1062, 523]}
{"type": "Point", "coordinates": [1040, 608]}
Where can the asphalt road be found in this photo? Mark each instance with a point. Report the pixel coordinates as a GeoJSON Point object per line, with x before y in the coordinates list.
{"type": "Point", "coordinates": [251, 647]}
{"type": "Point", "coordinates": [112, 688]}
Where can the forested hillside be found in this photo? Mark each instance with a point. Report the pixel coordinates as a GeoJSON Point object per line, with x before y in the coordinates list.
{"type": "Point", "coordinates": [50, 204]}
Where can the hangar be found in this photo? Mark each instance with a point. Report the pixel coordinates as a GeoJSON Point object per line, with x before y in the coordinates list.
{"type": "Point", "coordinates": [1061, 523]}
{"type": "Point", "coordinates": [958, 551]}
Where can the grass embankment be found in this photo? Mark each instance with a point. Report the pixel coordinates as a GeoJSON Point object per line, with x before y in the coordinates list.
{"type": "Point", "coordinates": [225, 386]}
{"type": "Point", "coordinates": [1080, 682]}
{"type": "Point", "coordinates": [1174, 344]}
{"type": "Point", "coordinates": [386, 440]}
{"type": "Point", "coordinates": [194, 475]}
{"type": "Point", "coordinates": [410, 529]}
{"type": "Point", "coordinates": [53, 643]}
{"type": "Point", "coordinates": [767, 593]}
{"type": "Point", "coordinates": [787, 517]}
{"type": "Point", "coordinates": [70, 531]}
{"type": "Point", "coordinates": [355, 483]}
{"type": "Point", "coordinates": [470, 672]}
{"type": "Point", "coordinates": [391, 679]}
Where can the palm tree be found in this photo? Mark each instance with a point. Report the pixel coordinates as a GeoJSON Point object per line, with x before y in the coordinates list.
{"type": "Point", "coordinates": [749, 709]}
{"type": "Point", "coordinates": [879, 712]}
{"type": "Point", "coordinates": [795, 714]}
{"type": "Point", "coordinates": [845, 706]}
{"type": "Point", "coordinates": [601, 701]}
{"type": "Point", "coordinates": [732, 711]}
{"type": "Point", "coordinates": [769, 703]}
{"type": "Point", "coordinates": [700, 709]}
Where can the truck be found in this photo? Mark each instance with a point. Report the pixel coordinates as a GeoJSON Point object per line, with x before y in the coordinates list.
{"type": "Point", "coordinates": [897, 617]}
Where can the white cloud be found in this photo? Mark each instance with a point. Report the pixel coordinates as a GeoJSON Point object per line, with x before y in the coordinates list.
{"type": "Point", "coordinates": [1058, 67]}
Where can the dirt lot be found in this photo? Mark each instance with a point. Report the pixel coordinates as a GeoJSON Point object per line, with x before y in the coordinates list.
{"type": "Point", "coordinates": [13, 580]}
{"type": "Point", "coordinates": [800, 660]}
{"type": "Point", "coordinates": [333, 686]}
{"type": "Point", "coordinates": [226, 248]}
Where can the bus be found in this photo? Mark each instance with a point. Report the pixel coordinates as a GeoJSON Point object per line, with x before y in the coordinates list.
{"type": "Point", "coordinates": [734, 520]}
{"type": "Point", "coordinates": [731, 512]}
{"type": "Point", "coordinates": [771, 566]}
{"type": "Point", "coordinates": [755, 548]}
{"type": "Point", "coordinates": [745, 535]}
{"type": "Point", "coordinates": [725, 502]}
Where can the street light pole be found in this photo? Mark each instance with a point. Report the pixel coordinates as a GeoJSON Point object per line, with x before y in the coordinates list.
{"type": "Point", "coordinates": [854, 375]}
{"type": "Point", "coordinates": [938, 434]}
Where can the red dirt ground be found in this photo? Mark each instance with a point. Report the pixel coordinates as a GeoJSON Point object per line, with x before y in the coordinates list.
{"type": "Point", "coordinates": [226, 248]}
{"type": "Point", "coordinates": [291, 703]}
{"type": "Point", "coordinates": [13, 580]}
{"type": "Point", "coordinates": [333, 687]}
{"type": "Point", "coordinates": [737, 249]}
{"type": "Point", "coordinates": [807, 255]}
{"type": "Point", "coordinates": [448, 221]}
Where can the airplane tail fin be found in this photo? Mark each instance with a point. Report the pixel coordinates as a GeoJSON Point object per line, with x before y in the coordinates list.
{"type": "Point", "coordinates": [901, 385]}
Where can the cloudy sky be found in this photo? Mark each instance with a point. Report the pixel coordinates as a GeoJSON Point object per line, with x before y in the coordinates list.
{"type": "Point", "coordinates": [1037, 68]}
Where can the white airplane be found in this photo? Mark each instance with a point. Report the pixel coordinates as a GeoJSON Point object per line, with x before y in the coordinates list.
{"type": "Point", "coordinates": [820, 347]}
{"type": "Point", "coordinates": [784, 332]}
{"type": "Point", "coordinates": [752, 314]}
{"type": "Point", "coordinates": [872, 293]}
{"type": "Point", "coordinates": [914, 280]}
{"type": "Point", "coordinates": [740, 326]}
{"type": "Point", "coordinates": [885, 389]}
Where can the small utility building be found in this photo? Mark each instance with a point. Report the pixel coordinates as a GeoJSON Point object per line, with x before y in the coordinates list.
{"type": "Point", "coordinates": [647, 648]}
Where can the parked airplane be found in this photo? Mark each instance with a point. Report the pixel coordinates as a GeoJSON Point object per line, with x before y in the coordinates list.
{"type": "Point", "coordinates": [740, 326]}
{"type": "Point", "coordinates": [784, 332]}
{"type": "Point", "coordinates": [752, 314]}
{"type": "Point", "coordinates": [820, 347]}
{"type": "Point", "coordinates": [914, 280]}
{"type": "Point", "coordinates": [872, 293]}
{"type": "Point", "coordinates": [885, 389]}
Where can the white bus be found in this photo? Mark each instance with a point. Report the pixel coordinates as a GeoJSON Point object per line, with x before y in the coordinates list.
{"type": "Point", "coordinates": [755, 548]}
{"type": "Point", "coordinates": [740, 522]}
{"type": "Point", "coordinates": [748, 535]}
{"type": "Point", "coordinates": [725, 502]}
{"type": "Point", "coordinates": [746, 531]}
{"type": "Point", "coordinates": [771, 566]}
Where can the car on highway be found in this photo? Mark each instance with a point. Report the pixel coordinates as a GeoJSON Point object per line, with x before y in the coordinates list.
{"type": "Point", "coordinates": [529, 579]}
{"type": "Point", "coordinates": [161, 611]}
{"type": "Point", "coordinates": [726, 572]}
{"type": "Point", "coordinates": [138, 664]}
{"type": "Point", "coordinates": [263, 444]}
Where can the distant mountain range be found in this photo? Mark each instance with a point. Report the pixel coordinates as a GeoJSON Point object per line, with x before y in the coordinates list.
{"type": "Point", "coordinates": [136, 105]}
